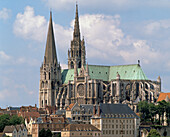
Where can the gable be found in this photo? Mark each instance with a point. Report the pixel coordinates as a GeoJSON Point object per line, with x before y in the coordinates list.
{"type": "Point", "coordinates": [162, 96]}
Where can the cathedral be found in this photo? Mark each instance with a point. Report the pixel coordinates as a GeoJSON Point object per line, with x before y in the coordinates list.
{"type": "Point", "coordinates": [90, 84]}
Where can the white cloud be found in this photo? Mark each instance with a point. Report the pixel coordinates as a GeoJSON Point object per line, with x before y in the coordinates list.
{"type": "Point", "coordinates": [102, 35]}
{"type": "Point", "coordinates": [4, 58]}
{"type": "Point", "coordinates": [140, 50]}
{"type": "Point", "coordinates": [5, 13]}
{"type": "Point", "coordinates": [110, 4]}
{"type": "Point", "coordinates": [4, 94]}
{"type": "Point", "coordinates": [29, 26]}
{"type": "Point", "coordinates": [155, 27]}
{"type": "Point", "coordinates": [64, 66]}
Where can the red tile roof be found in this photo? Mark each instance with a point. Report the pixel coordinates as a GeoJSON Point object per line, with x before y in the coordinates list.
{"type": "Point", "coordinates": [162, 96]}
{"type": "Point", "coordinates": [70, 106]}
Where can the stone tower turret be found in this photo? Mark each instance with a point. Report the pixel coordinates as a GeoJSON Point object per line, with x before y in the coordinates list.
{"type": "Point", "coordinates": [50, 72]}
{"type": "Point", "coordinates": [77, 49]}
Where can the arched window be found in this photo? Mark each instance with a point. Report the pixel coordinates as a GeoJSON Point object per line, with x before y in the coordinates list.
{"type": "Point", "coordinates": [42, 103]}
{"type": "Point", "coordinates": [72, 65]}
{"type": "Point", "coordinates": [44, 75]}
{"type": "Point", "coordinates": [79, 64]}
{"type": "Point", "coordinates": [42, 84]}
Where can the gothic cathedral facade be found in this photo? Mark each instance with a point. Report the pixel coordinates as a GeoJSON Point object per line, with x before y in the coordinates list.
{"type": "Point", "coordinates": [90, 84]}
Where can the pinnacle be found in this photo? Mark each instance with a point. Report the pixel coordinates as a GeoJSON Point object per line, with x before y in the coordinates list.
{"type": "Point", "coordinates": [76, 25]}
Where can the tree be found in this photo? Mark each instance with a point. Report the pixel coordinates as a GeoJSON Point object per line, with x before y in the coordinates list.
{"type": "Point", "coordinates": [48, 133]}
{"type": "Point", "coordinates": [165, 133]}
{"type": "Point", "coordinates": [161, 108]}
{"type": "Point", "coordinates": [59, 135]}
{"type": "Point", "coordinates": [153, 133]}
{"type": "Point", "coordinates": [15, 120]}
{"type": "Point", "coordinates": [144, 111]}
{"type": "Point", "coordinates": [152, 110]}
{"type": "Point", "coordinates": [44, 133]}
{"type": "Point", "coordinates": [4, 121]}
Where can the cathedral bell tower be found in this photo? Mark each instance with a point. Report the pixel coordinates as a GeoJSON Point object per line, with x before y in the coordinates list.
{"type": "Point", "coordinates": [50, 71]}
{"type": "Point", "coordinates": [77, 51]}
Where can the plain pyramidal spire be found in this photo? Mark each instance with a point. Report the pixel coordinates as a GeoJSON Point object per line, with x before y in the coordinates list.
{"type": "Point", "coordinates": [50, 51]}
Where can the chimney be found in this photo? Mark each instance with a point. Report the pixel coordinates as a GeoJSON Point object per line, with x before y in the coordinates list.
{"type": "Point", "coordinates": [99, 110]}
{"type": "Point", "coordinates": [94, 109]}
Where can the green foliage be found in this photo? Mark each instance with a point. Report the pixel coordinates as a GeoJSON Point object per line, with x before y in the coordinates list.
{"type": "Point", "coordinates": [59, 135]}
{"type": "Point", "coordinates": [153, 133]}
{"type": "Point", "coordinates": [157, 126]}
{"type": "Point", "coordinates": [165, 133]}
{"type": "Point", "coordinates": [144, 110]}
{"type": "Point", "coordinates": [148, 112]}
{"type": "Point", "coordinates": [48, 133]}
{"type": "Point", "coordinates": [6, 120]}
{"type": "Point", "coordinates": [15, 120]}
{"type": "Point", "coordinates": [44, 133]}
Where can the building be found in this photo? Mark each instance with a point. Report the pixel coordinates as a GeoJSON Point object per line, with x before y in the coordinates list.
{"type": "Point", "coordinates": [80, 130]}
{"type": "Point", "coordinates": [55, 124]}
{"type": "Point", "coordinates": [15, 131]}
{"type": "Point", "coordinates": [80, 113]}
{"type": "Point", "coordinates": [115, 120]}
{"type": "Point", "coordinates": [90, 84]}
{"type": "Point", "coordinates": [164, 96]}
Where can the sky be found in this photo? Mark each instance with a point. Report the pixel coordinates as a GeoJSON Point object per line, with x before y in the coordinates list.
{"type": "Point", "coordinates": [116, 32]}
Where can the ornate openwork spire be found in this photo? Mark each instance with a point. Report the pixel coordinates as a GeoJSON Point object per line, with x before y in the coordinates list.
{"type": "Point", "coordinates": [50, 51]}
{"type": "Point", "coordinates": [76, 33]}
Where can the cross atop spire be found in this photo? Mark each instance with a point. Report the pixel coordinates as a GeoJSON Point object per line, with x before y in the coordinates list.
{"type": "Point", "coordinates": [50, 51]}
{"type": "Point", "coordinates": [76, 33]}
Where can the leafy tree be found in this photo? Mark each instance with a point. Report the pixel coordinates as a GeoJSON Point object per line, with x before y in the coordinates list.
{"type": "Point", "coordinates": [161, 107]}
{"type": "Point", "coordinates": [165, 133]}
{"type": "Point", "coordinates": [4, 121]}
{"type": "Point", "coordinates": [152, 110]}
{"type": "Point", "coordinates": [59, 135]}
{"type": "Point", "coordinates": [144, 110]}
{"type": "Point", "coordinates": [42, 133]}
{"type": "Point", "coordinates": [48, 133]}
{"type": "Point", "coordinates": [153, 133]}
{"type": "Point", "coordinates": [15, 120]}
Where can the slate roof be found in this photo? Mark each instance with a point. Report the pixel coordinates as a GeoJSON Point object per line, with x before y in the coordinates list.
{"type": "Point", "coordinates": [60, 112]}
{"type": "Point", "coordinates": [87, 107]}
{"type": "Point", "coordinates": [162, 96]}
{"type": "Point", "coordinates": [9, 129]}
{"type": "Point", "coordinates": [80, 127]}
{"type": "Point", "coordinates": [119, 109]}
{"type": "Point", "coordinates": [108, 73]}
{"type": "Point", "coordinates": [13, 108]}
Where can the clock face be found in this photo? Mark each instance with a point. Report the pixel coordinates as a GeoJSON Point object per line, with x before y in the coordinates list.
{"type": "Point", "coordinates": [80, 89]}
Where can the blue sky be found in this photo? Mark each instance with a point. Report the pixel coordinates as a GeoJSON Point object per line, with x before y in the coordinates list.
{"type": "Point", "coordinates": [116, 33]}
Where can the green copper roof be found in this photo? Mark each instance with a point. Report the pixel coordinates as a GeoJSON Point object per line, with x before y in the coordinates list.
{"type": "Point", "coordinates": [107, 73]}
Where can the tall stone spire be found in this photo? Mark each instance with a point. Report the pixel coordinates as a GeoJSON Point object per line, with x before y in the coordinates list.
{"type": "Point", "coordinates": [76, 33]}
{"type": "Point", "coordinates": [50, 72]}
{"type": "Point", "coordinates": [77, 49]}
{"type": "Point", "coordinates": [50, 51]}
